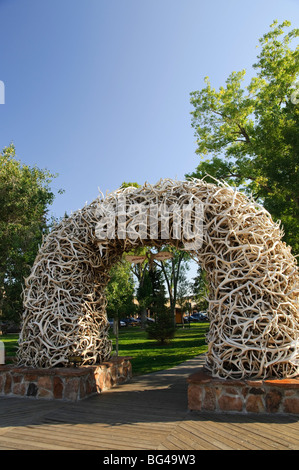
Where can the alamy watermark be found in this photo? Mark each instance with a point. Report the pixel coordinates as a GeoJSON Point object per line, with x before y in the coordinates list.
{"type": "Point", "coordinates": [2, 92]}
{"type": "Point", "coordinates": [125, 220]}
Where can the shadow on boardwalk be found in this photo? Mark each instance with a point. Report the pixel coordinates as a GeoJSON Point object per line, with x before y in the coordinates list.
{"type": "Point", "coordinates": [148, 413]}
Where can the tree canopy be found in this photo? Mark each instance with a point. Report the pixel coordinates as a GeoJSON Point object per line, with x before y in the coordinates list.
{"type": "Point", "coordinates": [248, 135]}
{"type": "Point", "coordinates": [120, 291]}
{"type": "Point", "coordinates": [25, 195]}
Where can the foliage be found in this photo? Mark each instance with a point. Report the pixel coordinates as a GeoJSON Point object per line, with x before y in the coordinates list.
{"type": "Point", "coordinates": [163, 329]}
{"type": "Point", "coordinates": [120, 291]}
{"type": "Point", "coordinates": [252, 131]}
{"type": "Point", "coordinates": [144, 289]}
{"type": "Point", "coordinates": [172, 273]}
{"type": "Point", "coordinates": [184, 292]}
{"type": "Point", "coordinates": [158, 295]}
{"type": "Point", "coordinates": [24, 198]}
{"type": "Point", "coordinates": [126, 184]}
{"type": "Point", "coordinates": [174, 270]}
{"type": "Point", "coordinates": [200, 289]}
{"type": "Point", "coordinates": [11, 344]}
{"type": "Point", "coordinates": [147, 356]}
{"type": "Point", "coordinates": [151, 291]}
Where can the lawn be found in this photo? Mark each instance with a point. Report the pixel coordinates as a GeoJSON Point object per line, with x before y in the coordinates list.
{"type": "Point", "coordinates": [10, 342]}
{"type": "Point", "coordinates": [147, 356]}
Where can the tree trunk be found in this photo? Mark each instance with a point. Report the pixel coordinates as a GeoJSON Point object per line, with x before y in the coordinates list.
{"type": "Point", "coordinates": [143, 316]}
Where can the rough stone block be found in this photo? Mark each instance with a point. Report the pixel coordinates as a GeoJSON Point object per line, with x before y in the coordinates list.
{"type": "Point", "coordinates": [67, 383]}
{"type": "Point", "coordinates": [229, 403]}
{"type": "Point", "coordinates": [243, 396]}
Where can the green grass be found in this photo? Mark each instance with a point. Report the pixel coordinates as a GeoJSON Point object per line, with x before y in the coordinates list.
{"type": "Point", "coordinates": [10, 342]}
{"type": "Point", "coordinates": [147, 356]}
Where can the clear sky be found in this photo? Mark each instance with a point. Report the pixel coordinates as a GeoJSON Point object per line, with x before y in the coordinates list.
{"type": "Point", "coordinates": [98, 91]}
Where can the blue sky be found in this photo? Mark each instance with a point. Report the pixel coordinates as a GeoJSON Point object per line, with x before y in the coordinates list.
{"type": "Point", "coordinates": [98, 91]}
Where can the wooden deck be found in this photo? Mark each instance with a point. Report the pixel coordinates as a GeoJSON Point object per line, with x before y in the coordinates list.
{"type": "Point", "coordinates": [149, 413]}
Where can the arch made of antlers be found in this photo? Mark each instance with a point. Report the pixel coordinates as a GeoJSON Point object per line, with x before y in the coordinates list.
{"type": "Point", "coordinates": [253, 278]}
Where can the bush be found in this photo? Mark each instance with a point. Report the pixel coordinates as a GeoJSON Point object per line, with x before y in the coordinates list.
{"type": "Point", "coordinates": [163, 330]}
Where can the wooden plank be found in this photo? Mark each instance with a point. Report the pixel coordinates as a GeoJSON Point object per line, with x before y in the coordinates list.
{"type": "Point", "coordinates": [266, 430]}
{"type": "Point", "coordinates": [233, 440]}
{"type": "Point", "coordinates": [113, 417]}
{"type": "Point", "coordinates": [97, 436]}
{"type": "Point", "coordinates": [54, 438]}
{"type": "Point", "coordinates": [238, 434]}
{"type": "Point", "coordinates": [271, 434]}
{"type": "Point", "coordinates": [20, 442]}
{"type": "Point", "coordinates": [187, 439]}
{"type": "Point", "coordinates": [203, 432]}
{"type": "Point", "coordinates": [69, 440]}
{"type": "Point", "coordinates": [99, 442]}
{"type": "Point", "coordinates": [260, 430]}
{"type": "Point", "coordinates": [146, 414]}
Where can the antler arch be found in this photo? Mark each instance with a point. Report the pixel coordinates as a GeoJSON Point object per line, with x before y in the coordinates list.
{"type": "Point", "coordinates": [253, 279]}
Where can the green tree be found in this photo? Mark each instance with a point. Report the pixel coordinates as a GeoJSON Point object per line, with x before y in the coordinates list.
{"type": "Point", "coordinates": [144, 292]}
{"type": "Point", "coordinates": [248, 135]}
{"type": "Point", "coordinates": [174, 270]}
{"type": "Point", "coordinates": [200, 289]}
{"type": "Point", "coordinates": [151, 294]}
{"type": "Point", "coordinates": [183, 293]}
{"type": "Point", "coordinates": [120, 291]}
{"type": "Point", "coordinates": [24, 199]}
{"type": "Point", "coordinates": [163, 330]}
{"type": "Point", "coordinates": [158, 294]}
{"type": "Point", "coordinates": [126, 184]}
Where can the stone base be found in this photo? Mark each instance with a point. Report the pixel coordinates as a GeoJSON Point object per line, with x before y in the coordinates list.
{"type": "Point", "coordinates": [64, 383]}
{"type": "Point", "coordinates": [207, 393]}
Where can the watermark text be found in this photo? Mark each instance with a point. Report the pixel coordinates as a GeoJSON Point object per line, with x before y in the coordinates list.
{"type": "Point", "coordinates": [125, 220]}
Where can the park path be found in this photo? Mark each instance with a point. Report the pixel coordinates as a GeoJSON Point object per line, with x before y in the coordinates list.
{"type": "Point", "coordinates": [148, 413]}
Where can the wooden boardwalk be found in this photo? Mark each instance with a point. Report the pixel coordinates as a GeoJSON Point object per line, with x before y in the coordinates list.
{"type": "Point", "coordinates": [149, 413]}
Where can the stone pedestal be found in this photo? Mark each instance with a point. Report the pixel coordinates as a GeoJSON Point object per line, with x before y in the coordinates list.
{"type": "Point", "coordinates": [65, 383]}
{"type": "Point", "coordinates": [207, 393]}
